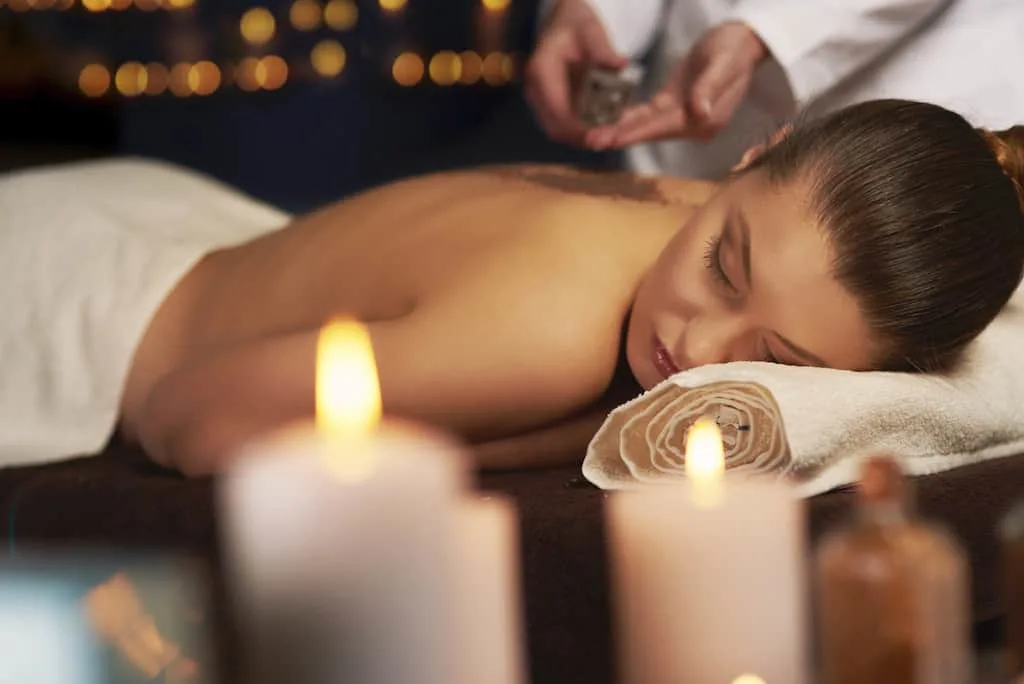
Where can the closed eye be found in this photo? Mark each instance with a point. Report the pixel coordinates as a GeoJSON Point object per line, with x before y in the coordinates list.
{"type": "Point", "coordinates": [713, 262]}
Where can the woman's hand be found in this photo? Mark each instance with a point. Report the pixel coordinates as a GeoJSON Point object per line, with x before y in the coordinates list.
{"type": "Point", "coordinates": [701, 95]}
{"type": "Point", "coordinates": [561, 443]}
{"type": "Point", "coordinates": [573, 38]}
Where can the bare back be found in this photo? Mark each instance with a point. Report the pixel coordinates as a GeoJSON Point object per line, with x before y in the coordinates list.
{"type": "Point", "coordinates": [536, 253]}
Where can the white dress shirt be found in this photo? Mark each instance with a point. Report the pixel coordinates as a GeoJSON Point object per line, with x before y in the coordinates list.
{"type": "Point", "coordinates": [967, 55]}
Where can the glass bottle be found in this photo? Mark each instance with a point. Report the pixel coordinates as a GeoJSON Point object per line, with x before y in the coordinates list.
{"type": "Point", "coordinates": [1012, 537]}
{"type": "Point", "coordinates": [892, 592]}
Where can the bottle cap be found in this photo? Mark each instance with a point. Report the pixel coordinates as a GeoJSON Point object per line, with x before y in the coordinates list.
{"type": "Point", "coordinates": [882, 480]}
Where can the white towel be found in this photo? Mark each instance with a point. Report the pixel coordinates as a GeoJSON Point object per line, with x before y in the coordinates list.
{"type": "Point", "coordinates": [814, 424]}
{"type": "Point", "coordinates": [88, 252]}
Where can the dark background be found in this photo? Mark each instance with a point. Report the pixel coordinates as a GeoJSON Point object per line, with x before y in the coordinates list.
{"type": "Point", "coordinates": [311, 141]}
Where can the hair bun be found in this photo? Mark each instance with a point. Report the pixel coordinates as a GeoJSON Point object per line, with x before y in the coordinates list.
{"type": "Point", "coordinates": [1008, 148]}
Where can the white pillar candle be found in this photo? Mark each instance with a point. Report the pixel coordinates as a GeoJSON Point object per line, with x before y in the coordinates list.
{"type": "Point", "coordinates": [489, 596]}
{"type": "Point", "coordinates": [343, 580]}
{"type": "Point", "coordinates": [709, 577]}
{"type": "Point", "coordinates": [343, 542]}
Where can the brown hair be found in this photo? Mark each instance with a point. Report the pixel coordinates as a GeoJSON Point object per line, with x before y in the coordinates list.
{"type": "Point", "coordinates": [926, 217]}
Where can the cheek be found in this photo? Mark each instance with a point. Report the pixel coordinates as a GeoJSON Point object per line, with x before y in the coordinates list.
{"type": "Point", "coordinates": [851, 343]}
{"type": "Point", "coordinates": [680, 279]}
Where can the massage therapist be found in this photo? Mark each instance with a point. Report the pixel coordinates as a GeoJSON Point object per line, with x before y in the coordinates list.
{"type": "Point", "coordinates": [722, 74]}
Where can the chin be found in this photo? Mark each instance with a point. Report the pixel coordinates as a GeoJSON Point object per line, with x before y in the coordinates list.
{"type": "Point", "coordinates": [645, 375]}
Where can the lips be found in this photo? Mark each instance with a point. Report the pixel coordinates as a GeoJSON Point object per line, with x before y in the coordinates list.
{"type": "Point", "coordinates": [663, 360]}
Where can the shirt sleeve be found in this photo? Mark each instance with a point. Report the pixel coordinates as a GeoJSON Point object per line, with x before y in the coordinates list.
{"type": "Point", "coordinates": [820, 43]}
{"type": "Point", "coordinates": [632, 25]}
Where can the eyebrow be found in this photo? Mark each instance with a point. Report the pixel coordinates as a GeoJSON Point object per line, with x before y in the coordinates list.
{"type": "Point", "coordinates": [740, 221]}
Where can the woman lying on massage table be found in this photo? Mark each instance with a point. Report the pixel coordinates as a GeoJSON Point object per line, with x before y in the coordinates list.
{"type": "Point", "coordinates": [885, 236]}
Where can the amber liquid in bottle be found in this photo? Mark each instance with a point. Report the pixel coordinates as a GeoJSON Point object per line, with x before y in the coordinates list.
{"type": "Point", "coordinates": [892, 591]}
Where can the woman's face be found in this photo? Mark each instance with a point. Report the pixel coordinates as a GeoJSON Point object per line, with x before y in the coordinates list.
{"type": "Point", "coordinates": [748, 278]}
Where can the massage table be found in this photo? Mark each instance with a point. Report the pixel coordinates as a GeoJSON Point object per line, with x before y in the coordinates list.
{"type": "Point", "coordinates": [118, 500]}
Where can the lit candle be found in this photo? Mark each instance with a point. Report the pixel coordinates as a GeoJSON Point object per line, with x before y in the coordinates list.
{"type": "Point", "coordinates": [709, 576]}
{"type": "Point", "coordinates": [344, 542]}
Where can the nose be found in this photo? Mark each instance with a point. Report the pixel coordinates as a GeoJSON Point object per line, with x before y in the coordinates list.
{"type": "Point", "coordinates": [708, 339]}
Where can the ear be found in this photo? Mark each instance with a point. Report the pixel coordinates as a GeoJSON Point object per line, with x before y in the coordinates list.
{"type": "Point", "coordinates": [752, 154]}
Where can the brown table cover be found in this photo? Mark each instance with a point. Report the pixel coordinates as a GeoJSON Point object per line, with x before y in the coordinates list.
{"type": "Point", "coordinates": [118, 500]}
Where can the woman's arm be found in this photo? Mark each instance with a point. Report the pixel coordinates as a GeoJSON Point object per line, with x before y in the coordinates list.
{"type": "Point", "coordinates": [562, 443]}
{"type": "Point", "coordinates": [199, 415]}
{"type": "Point", "coordinates": [459, 364]}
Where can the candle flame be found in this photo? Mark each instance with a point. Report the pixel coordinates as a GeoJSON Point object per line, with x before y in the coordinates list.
{"type": "Point", "coordinates": [705, 461]}
{"type": "Point", "coordinates": [348, 403]}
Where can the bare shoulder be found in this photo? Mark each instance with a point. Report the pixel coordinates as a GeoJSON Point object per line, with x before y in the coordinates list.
{"type": "Point", "coordinates": [566, 280]}
{"type": "Point", "coordinates": [568, 267]}
{"type": "Point", "coordinates": [528, 335]}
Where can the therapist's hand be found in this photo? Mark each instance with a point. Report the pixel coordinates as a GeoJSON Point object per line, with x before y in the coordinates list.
{"type": "Point", "coordinates": [701, 95]}
{"type": "Point", "coordinates": [573, 37]}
